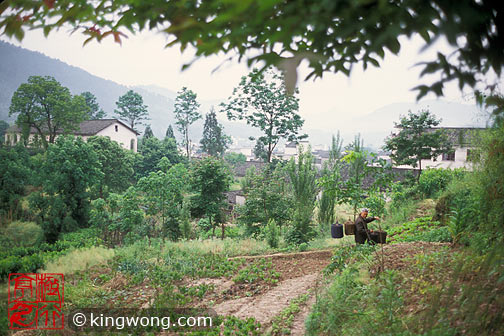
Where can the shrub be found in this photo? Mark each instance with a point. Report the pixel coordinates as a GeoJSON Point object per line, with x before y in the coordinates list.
{"type": "Point", "coordinates": [434, 181]}
{"type": "Point", "coordinates": [272, 233]}
{"type": "Point", "coordinates": [24, 234]}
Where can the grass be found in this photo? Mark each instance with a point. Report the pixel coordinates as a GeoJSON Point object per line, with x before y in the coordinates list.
{"type": "Point", "coordinates": [79, 260]}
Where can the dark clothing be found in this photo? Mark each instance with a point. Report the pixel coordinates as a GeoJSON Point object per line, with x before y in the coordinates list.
{"type": "Point", "coordinates": [361, 229]}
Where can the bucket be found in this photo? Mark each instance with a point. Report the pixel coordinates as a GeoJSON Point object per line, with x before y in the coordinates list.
{"type": "Point", "coordinates": [379, 237]}
{"type": "Point", "coordinates": [349, 228]}
{"type": "Point", "coordinates": [337, 230]}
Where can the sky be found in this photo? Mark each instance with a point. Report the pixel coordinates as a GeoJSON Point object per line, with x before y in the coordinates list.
{"type": "Point", "coordinates": [142, 59]}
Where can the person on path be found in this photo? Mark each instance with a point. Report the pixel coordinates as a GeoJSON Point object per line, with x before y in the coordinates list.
{"type": "Point", "coordinates": [362, 233]}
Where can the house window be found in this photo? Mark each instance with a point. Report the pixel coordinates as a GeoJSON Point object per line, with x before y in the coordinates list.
{"type": "Point", "coordinates": [449, 156]}
{"type": "Point", "coordinates": [132, 144]}
{"type": "Point", "coordinates": [116, 128]}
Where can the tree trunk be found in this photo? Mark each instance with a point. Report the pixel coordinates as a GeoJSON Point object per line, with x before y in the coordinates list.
{"type": "Point", "coordinates": [419, 171]}
{"type": "Point", "coordinates": [223, 231]}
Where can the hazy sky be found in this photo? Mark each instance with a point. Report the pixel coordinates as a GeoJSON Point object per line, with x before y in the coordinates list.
{"type": "Point", "coordinates": [142, 60]}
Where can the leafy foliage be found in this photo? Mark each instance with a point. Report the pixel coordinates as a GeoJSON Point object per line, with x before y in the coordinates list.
{"type": "Point", "coordinates": [303, 178]}
{"type": "Point", "coordinates": [148, 132]}
{"type": "Point", "coordinates": [214, 141]}
{"type": "Point", "coordinates": [261, 100]}
{"type": "Point", "coordinates": [434, 181]}
{"type": "Point", "coordinates": [14, 176]}
{"type": "Point", "coordinates": [70, 168]}
{"type": "Point", "coordinates": [3, 128]}
{"type": "Point", "coordinates": [169, 133]}
{"type": "Point", "coordinates": [332, 36]}
{"type": "Point", "coordinates": [267, 197]}
{"type": "Point", "coordinates": [116, 164]}
{"type": "Point", "coordinates": [131, 109]}
{"type": "Point", "coordinates": [272, 233]}
{"type": "Point", "coordinates": [94, 109]}
{"type": "Point", "coordinates": [48, 107]}
{"type": "Point", "coordinates": [163, 196]}
{"type": "Point", "coordinates": [152, 150]}
{"type": "Point", "coordinates": [210, 179]}
{"type": "Point", "coordinates": [186, 113]}
{"type": "Point", "coordinates": [234, 158]}
{"type": "Point", "coordinates": [417, 140]}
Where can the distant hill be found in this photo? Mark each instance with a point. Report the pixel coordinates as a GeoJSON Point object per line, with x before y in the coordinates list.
{"type": "Point", "coordinates": [377, 125]}
{"type": "Point", "coordinates": [17, 64]}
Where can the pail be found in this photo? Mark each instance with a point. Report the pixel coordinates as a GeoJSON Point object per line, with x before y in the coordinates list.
{"type": "Point", "coordinates": [349, 228]}
{"type": "Point", "coordinates": [379, 237]}
{"type": "Point", "coordinates": [337, 230]}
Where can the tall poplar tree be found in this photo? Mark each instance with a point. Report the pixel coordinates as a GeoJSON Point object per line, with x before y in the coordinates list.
{"type": "Point", "coordinates": [214, 141]}
{"type": "Point", "coordinates": [186, 113]}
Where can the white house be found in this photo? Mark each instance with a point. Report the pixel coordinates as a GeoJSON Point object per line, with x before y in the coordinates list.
{"type": "Point", "coordinates": [463, 143]}
{"type": "Point", "coordinates": [115, 129]}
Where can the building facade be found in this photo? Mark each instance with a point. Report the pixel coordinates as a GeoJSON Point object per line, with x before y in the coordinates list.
{"type": "Point", "coordinates": [115, 129]}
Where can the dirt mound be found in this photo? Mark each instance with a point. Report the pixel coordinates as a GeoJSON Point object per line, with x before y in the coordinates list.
{"type": "Point", "coordinates": [397, 256]}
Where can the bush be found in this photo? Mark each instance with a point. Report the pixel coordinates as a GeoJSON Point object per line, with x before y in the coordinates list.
{"type": "Point", "coordinates": [435, 180]}
{"type": "Point", "coordinates": [24, 234]}
{"type": "Point", "coordinates": [272, 233]}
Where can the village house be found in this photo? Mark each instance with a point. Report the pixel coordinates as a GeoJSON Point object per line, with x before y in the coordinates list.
{"type": "Point", "coordinates": [115, 129]}
{"type": "Point", "coordinates": [463, 142]}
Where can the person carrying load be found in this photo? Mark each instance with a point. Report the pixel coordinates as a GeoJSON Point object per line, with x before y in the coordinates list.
{"type": "Point", "coordinates": [362, 233]}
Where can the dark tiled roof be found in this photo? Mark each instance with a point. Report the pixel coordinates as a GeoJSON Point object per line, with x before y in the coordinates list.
{"type": "Point", "coordinates": [291, 144]}
{"type": "Point", "coordinates": [88, 127]}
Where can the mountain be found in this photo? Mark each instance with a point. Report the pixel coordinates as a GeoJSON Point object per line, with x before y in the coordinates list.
{"type": "Point", "coordinates": [377, 125]}
{"type": "Point", "coordinates": [18, 64]}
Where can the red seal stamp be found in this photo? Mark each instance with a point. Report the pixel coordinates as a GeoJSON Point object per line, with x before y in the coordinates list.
{"type": "Point", "coordinates": [36, 301]}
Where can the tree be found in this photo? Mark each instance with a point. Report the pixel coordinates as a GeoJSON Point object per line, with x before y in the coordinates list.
{"type": "Point", "coordinates": [131, 109]}
{"type": "Point", "coordinates": [169, 133]}
{"type": "Point", "coordinates": [417, 140]}
{"type": "Point", "coordinates": [148, 132]}
{"type": "Point", "coordinates": [331, 35]}
{"type": "Point", "coordinates": [163, 191]}
{"type": "Point", "coordinates": [235, 158]}
{"type": "Point", "coordinates": [95, 111]}
{"type": "Point", "coordinates": [210, 179]}
{"type": "Point", "coordinates": [116, 164]}
{"type": "Point", "coordinates": [267, 198]}
{"type": "Point", "coordinates": [303, 178]}
{"type": "Point", "coordinates": [260, 153]}
{"type": "Point", "coordinates": [46, 106]}
{"type": "Point", "coordinates": [71, 167]}
{"type": "Point", "coordinates": [152, 150]}
{"type": "Point", "coordinates": [3, 129]}
{"type": "Point", "coordinates": [186, 112]}
{"type": "Point", "coordinates": [14, 174]}
{"type": "Point", "coordinates": [214, 141]}
{"type": "Point", "coordinates": [265, 104]}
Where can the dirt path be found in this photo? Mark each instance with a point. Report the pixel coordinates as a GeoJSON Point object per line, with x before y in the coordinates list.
{"type": "Point", "coordinates": [264, 307]}
{"type": "Point", "coordinates": [298, 325]}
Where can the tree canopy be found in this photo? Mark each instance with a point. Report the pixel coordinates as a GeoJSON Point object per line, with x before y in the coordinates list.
{"type": "Point", "coordinates": [48, 107]}
{"type": "Point", "coordinates": [331, 35]}
{"type": "Point", "coordinates": [131, 109]}
{"type": "Point", "coordinates": [261, 100]}
{"type": "Point", "coordinates": [186, 113]}
{"type": "Point", "coordinates": [417, 140]}
{"type": "Point", "coordinates": [95, 111]}
{"type": "Point", "coordinates": [214, 142]}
